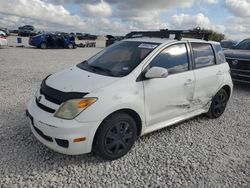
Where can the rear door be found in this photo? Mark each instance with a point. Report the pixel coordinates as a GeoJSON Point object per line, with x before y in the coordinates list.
{"type": "Point", "coordinates": [170, 97]}
{"type": "Point", "coordinates": [208, 74]}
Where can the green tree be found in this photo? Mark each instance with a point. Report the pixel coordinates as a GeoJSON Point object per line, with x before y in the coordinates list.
{"type": "Point", "coordinates": [214, 36]}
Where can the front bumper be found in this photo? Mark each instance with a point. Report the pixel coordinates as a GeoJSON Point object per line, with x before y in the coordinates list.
{"type": "Point", "coordinates": [59, 134]}
{"type": "Point", "coordinates": [240, 75]}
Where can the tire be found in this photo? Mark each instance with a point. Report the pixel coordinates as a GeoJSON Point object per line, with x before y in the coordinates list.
{"type": "Point", "coordinates": [43, 45]}
{"type": "Point", "coordinates": [115, 136]}
{"type": "Point", "coordinates": [218, 104]}
{"type": "Point", "coordinates": [70, 46]}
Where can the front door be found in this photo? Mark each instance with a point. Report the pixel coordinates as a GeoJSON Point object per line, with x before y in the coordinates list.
{"type": "Point", "coordinates": [170, 97]}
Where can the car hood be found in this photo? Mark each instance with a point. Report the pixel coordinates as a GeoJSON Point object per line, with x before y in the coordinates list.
{"type": "Point", "coordinates": [243, 54]}
{"type": "Point", "coordinates": [78, 80]}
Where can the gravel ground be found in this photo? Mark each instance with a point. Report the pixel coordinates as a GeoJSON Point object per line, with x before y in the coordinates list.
{"type": "Point", "coordinates": [197, 153]}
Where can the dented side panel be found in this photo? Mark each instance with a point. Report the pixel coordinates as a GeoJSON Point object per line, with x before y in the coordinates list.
{"type": "Point", "coordinates": [208, 81]}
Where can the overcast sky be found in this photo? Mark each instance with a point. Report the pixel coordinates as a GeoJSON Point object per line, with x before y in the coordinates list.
{"type": "Point", "coordinates": [118, 17]}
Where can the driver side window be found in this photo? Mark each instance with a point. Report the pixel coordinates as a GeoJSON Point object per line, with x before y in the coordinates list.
{"type": "Point", "coordinates": [173, 58]}
{"type": "Point", "coordinates": [244, 45]}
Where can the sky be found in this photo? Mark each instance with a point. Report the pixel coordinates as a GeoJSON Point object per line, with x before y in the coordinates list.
{"type": "Point", "coordinates": [119, 17]}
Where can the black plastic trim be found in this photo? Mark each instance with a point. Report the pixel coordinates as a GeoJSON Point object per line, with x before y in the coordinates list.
{"type": "Point", "coordinates": [45, 108]}
{"type": "Point", "coordinates": [62, 143]}
{"type": "Point", "coordinates": [31, 118]}
{"type": "Point", "coordinates": [48, 138]}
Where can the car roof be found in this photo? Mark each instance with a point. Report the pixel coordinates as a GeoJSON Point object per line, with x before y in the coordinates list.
{"type": "Point", "coordinates": [167, 40]}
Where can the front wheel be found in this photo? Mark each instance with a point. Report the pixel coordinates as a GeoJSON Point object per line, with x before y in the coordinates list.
{"type": "Point", "coordinates": [43, 45]}
{"type": "Point", "coordinates": [218, 104]}
{"type": "Point", "coordinates": [116, 136]}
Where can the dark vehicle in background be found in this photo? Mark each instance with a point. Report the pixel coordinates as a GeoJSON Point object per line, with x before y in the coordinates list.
{"type": "Point", "coordinates": [27, 27]}
{"type": "Point", "coordinates": [5, 30]}
{"type": "Point", "coordinates": [85, 36]}
{"type": "Point", "coordinates": [53, 40]}
{"type": "Point", "coordinates": [226, 44]}
{"type": "Point", "coordinates": [27, 30]}
{"type": "Point", "coordinates": [14, 31]}
{"type": "Point", "coordinates": [238, 59]}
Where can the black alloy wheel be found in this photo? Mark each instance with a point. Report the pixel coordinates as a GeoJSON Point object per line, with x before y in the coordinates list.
{"type": "Point", "coordinates": [218, 105]}
{"type": "Point", "coordinates": [116, 136]}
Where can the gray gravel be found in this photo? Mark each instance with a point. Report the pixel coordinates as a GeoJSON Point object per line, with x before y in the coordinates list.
{"type": "Point", "coordinates": [197, 153]}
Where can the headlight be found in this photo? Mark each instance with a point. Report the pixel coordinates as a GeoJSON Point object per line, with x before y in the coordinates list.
{"type": "Point", "coordinates": [71, 108]}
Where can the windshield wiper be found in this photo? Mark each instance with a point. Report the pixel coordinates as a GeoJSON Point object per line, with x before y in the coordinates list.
{"type": "Point", "coordinates": [107, 71]}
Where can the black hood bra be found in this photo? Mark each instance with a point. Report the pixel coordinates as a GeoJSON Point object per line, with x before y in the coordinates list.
{"type": "Point", "coordinates": [56, 96]}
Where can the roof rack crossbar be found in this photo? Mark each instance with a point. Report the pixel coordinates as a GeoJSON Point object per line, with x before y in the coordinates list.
{"type": "Point", "coordinates": [165, 33]}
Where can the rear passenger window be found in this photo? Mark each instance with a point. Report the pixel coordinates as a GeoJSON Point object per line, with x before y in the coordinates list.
{"type": "Point", "coordinates": [203, 55]}
{"type": "Point", "coordinates": [173, 58]}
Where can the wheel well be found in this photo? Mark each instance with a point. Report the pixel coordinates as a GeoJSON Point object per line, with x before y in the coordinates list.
{"type": "Point", "coordinates": [134, 115]}
{"type": "Point", "coordinates": [227, 89]}
{"type": "Point", "coordinates": [43, 42]}
{"type": "Point", "coordinates": [130, 112]}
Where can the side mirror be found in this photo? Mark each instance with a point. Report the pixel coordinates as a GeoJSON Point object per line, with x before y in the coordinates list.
{"type": "Point", "coordinates": [156, 72]}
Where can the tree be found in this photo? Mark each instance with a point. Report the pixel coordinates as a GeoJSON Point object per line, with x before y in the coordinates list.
{"type": "Point", "coordinates": [215, 36]}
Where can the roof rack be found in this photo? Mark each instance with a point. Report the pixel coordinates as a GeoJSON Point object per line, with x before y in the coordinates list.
{"type": "Point", "coordinates": [165, 33]}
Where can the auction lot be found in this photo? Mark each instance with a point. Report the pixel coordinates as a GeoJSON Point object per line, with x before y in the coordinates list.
{"type": "Point", "coordinates": [196, 153]}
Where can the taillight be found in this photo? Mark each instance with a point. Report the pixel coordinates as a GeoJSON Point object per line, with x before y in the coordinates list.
{"type": "Point", "coordinates": [2, 37]}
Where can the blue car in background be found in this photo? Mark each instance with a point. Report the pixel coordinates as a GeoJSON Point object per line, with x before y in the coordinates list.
{"type": "Point", "coordinates": [53, 40]}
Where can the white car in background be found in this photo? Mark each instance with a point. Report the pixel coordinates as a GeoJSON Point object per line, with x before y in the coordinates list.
{"type": "Point", "coordinates": [132, 88]}
{"type": "Point", "coordinates": [3, 40]}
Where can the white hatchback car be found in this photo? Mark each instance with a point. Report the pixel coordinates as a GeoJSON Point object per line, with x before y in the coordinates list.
{"type": "Point", "coordinates": [129, 89]}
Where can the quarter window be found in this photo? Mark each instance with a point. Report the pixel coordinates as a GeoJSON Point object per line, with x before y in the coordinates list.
{"type": "Point", "coordinates": [219, 54]}
{"type": "Point", "coordinates": [173, 58]}
{"type": "Point", "coordinates": [203, 54]}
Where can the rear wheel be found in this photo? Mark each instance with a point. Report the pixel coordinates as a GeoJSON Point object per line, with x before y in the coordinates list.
{"type": "Point", "coordinates": [116, 136]}
{"type": "Point", "coordinates": [43, 45]}
{"type": "Point", "coordinates": [218, 104]}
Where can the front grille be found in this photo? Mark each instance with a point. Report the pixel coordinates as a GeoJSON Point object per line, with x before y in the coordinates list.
{"type": "Point", "coordinates": [62, 143]}
{"type": "Point", "coordinates": [242, 64]}
{"type": "Point", "coordinates": [50, 98]}
{"type": "Point", "coordinates": [240, 69]}
{"type": "Point", "coordinates": [48, 138]}
{"type": "Point", "coordinates": [45, 108]}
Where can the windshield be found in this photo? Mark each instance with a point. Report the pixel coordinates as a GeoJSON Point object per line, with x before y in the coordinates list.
{"type": "Point", "coordinates": [243, 45]}
{"type": "Point", "coordinates": [227, 44]}
{"type": "Point", "coordinates": [119, 59]}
